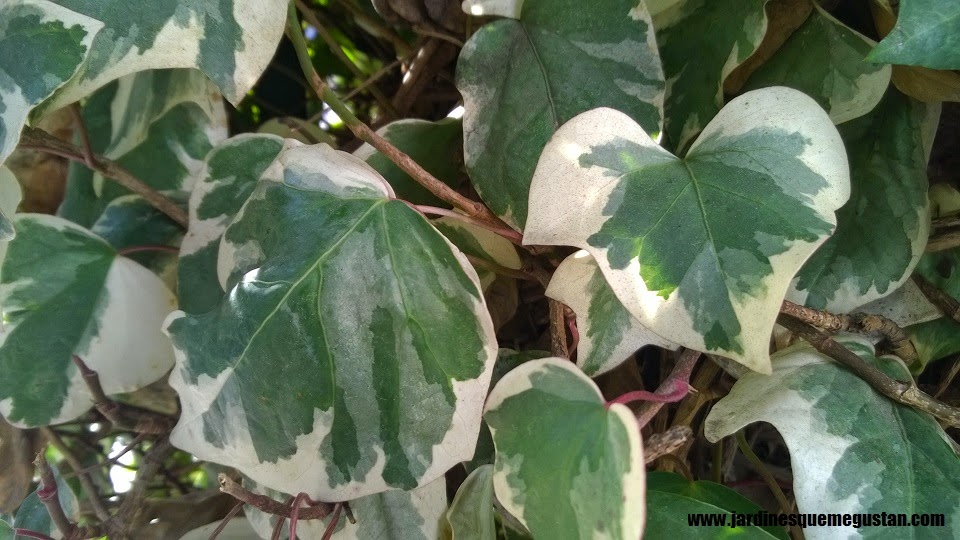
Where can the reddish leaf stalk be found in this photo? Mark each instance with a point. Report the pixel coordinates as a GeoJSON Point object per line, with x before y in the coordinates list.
{"type": "Point", "coordinates": [680, 374]}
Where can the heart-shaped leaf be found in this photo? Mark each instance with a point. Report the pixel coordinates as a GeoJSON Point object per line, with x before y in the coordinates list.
{"type": "Point", "coordinates": [171, 116]}
{"type": "Point", "coordinates": [406, 515]}
{"type": "Point", "coordinates": [701, 42]}
{"type": "Point", "coordinates": [522, 78]}
{"type": "Point", "coordinates": [609, 334]}
{"type": "Point", "coordinates": [883, 228]}
{"type": "Point", "coordinates": [824, 59]}
{"type": "Point", "coordinates": [566, 465]}
{"type": "Point", "coordinates": [353, 350]}
{"type": "Point", "coordinates": [230, 173]}
{"type": "Point", "coordinates": [41, 47]}
{"type": "Point", "coordinates": [60, 280]}
{"type": "Point", "coordinates": [852, 450]}
{"type": "Point", "coordinates": [927, 34]}
{"type": "Point", "coordinates": [700, 250]}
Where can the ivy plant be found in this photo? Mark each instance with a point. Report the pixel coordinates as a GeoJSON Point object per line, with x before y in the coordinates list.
{"type": "Point", "coordinates": [504, 269]}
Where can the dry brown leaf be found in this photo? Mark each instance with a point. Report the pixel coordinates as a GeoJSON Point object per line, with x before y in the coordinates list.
{"type": "Point", "coordinates": [784, 17]}
{"type": "Point", "coordinates": [927, 85]}
{"type": "Point", "coordinates": [18, 447]}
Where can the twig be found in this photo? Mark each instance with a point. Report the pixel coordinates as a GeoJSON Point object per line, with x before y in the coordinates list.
{"type": "Point", "coordinates": [119, 525]}
{"type": "Point", "coordinates": [506, 232]}
{"type": "Point", "coordinates": [81, 127]}
{"type": "Point", "coordinates": [785, 506]}
{"type": "Point", "coordinates": [947, 304]}
{"type": "Point", "coordinates": [36, 139]}
{"type": "Point", "coordinates": [906, 393]}
{"type": "Point", "coordinates": [31, 534]}
{"type": "Point", "coordinates": [862, 323]}
{"type": "Point", "coordinates": [226, 519]}
{"type": "Point", "coordinates": [334, 47]}
{"type": "Point", "coordinates": [91, 490]}
{"type": "Point", "coordinates": [122, 415]}
{"type": "Point", "coordinates": [668, 442]}
{"type": "Point", "coordinates": [367, 135]}
{"type": "Point", "coordinates": [948, 378]}
{"type": "Point", "coordinates": [139, 249]}
{"type": "Point", "coordinates": [436, 33]}
{"type": "Point", "coordinates": [943, 240]}
{"type": "Point", "coordinates": [332, 526]}
{"type": "Point", "coordinates": [47, 493]}
{"type": "Point", "coordinates": [680, 391]}
{"type": "Point", "coordinates": [271, 506]}
{"type": "Point", "coordinates": [349, 513]}
{"type": "Point", "coordinates": [558, 329]}
{"type": "Point", "coordinates": [680, 375]}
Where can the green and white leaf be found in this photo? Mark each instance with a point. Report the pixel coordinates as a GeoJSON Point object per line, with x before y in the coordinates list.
{"type": "Point", "coordinates": [882, 230]}
{"type": "Point", "coordinates": [566, 465]}
{"type": "Point", "coordinates": [61, 280]}
{"type": "Point", "coordinates": [471, 515]}
{"type": "Point", "coordinates": [905, 306]}
{"type": "Point", "coordinates": [824, 59]}
{"type": "Point", "coordinates": [480, 243]}
{"type": "Point", "coordinates": [700, 250]}
{"type": "Point", "coordinates": [230, 172]}
{"type": "Point", "coordinates": [671, 498]}
{"type": "Point", "coordinates": [230, 41]}
{"type": "Point", "coordinates": [41, 47]}
{"type": "Point", "coordinates": [609, 334]}
{"type": "Point", "coordinates": [436, 146]}
{"type": "Point", "coordinates": [701, 42]}
{"type": "Point", "coordinates": [852, 449]}
{"type": "Point", "coordinates": [927, 34]}
{"type": "Point", "coordinates": [10, 195]}
{"type": "Point", "coordinates": [159, 125]}
{"type": "Point", "coordinates": [373, 322]}
{"type": "Point", "coordinates": [406, 515]}
{"type": "Point", "coordinates": [522, 78]}
{"type": "Point", "coordinates": [33, 515]}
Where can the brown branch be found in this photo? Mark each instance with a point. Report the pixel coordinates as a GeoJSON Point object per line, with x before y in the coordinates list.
{"type": "Point", "coordinates": [88, 486]}
{"type": "Point", "coordinates": [668, 442]}
{"type": "Point", "coordinates": [948, 378]}
{"type": "Point", "coordinates": [558, 329]}
{"type": "Point", "coordinates": [226, 519]}
{"type": "Point", "coordinates": [122, 415]}
{"type": "Point", "coordinates": [49, 496]}
{"type": "Point", "coordinates": [772, 484]}
{"type": "Point", "coordinates": [861, 323]}
{"type": "Point", "coordinates": [943, 240]}
{"type": "Point", "coordinates": [271, 506]}
{"type": "Point", "coordinates": [81, 127]}
{"type": "Point", "coordinates": [906, 393]}
{"type": "Point", "coordinates": [120, 524]}
{"type": "Point", "coordinates": [947, 304]}
{"type": "Point", "coordinates": [37, 139]}
{"type": "Point", "coordinates": [680, 375]}
{"type": "Point", "coordinates": [367, 135]}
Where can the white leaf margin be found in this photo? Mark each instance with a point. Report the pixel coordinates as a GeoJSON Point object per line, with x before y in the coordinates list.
{"type": "Point", "coordinates": [567, 205]}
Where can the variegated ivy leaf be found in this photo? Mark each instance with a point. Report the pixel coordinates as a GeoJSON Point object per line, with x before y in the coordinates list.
{"type": "Point", "coordinates": [567, 466]}
{"type": "Point", "coordinates": [41, 47]}
{"type": "Point", "coordinates": [609, 334]}
{"type": "Point", "coordinates": [524, 77]}
{"type": "Point", "coordinates": [231, 41]}
{"type": "Point", "coordinates": [61, 280]}
{"type": "Point", "coordinates": [482, 244]}
{"type": "Point", "coordinates": [883, 229]}
{"type": "Point", "coordinates": [824, 59]}
{"type": "Point", "coordinates": [852, 449]}
{"type": "Point", "coordinates": [34, 516]}
{"type": "Point", "coordinates": [406, 515]}
{"type": "Point", "coordinates": [927, 34]}
{"type": "Point", "coordinates": [700, 250]}
{"type": "Point", "coordinates": [10, 195]}
{"type": "Point", "coordinates": [159, 125]}
{"type": "Point", "coordinates": [131, 223]}
{"type": "Point", "coordinates": [701, 42]}
{"type": "Point", "coordinates": [471, 515]}
{"type": "Point", "coordinates": [230, 173]}
{"type": "Point", "coordinates": [671, 498]}
{"type": "Point", "coordinates": [353, 350]}
{"type": "Point", "coordinates": [436, 146]}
